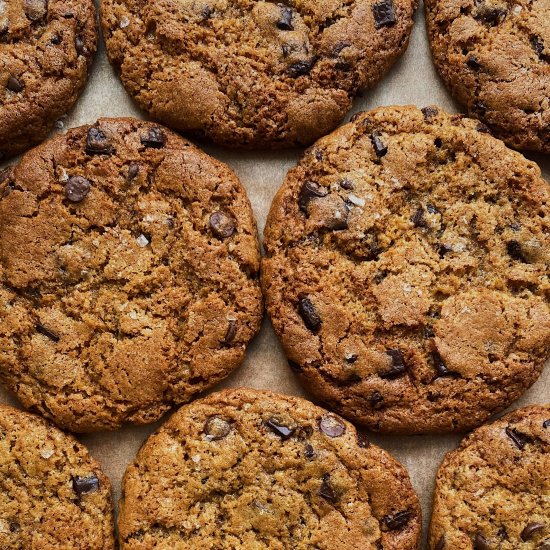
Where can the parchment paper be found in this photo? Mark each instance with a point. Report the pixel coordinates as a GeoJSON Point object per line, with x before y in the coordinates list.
{"type": "Point", "coordinates": [413, 80]}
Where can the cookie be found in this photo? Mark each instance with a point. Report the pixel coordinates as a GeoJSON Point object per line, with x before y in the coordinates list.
{"type": "Point", "coordinates": [253, 73]}
{"type": "Point", "coordinates": [54, 494]}
{"type": "Point", "coordinates": [129, 274]}
{"type": "Point", "coordinates": [492, 492]}
{"type": "Point", "coordinates": [46, 49]}
{"type": "Point", "coordinates": [245, 469]}
{"type": "Point", "coordinates": [494, 57]}
{"type": "Point", "coordinates": [407, 271]}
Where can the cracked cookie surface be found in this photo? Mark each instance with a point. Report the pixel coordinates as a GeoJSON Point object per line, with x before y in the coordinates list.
{"type": "Point", "coordinates": [53, 494]}
{"type": "Point", "coordinates": [252, 469]}
{"type": "Point", "coordinates": [46, 49]}
{"type": "Point", "coordinates": [494, 56]}
{"type": "Point", "coordinates": [129, 274]}
{"type": "Point", "coordinates": [407, 271]}
{"type": "Point", "coordinates": [248, 73]}
{"type": "Point", "coordinates": [492, 492]}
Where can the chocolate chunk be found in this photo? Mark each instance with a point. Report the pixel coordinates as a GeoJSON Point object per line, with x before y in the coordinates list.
{"type": "Point", "coordinates": [346, 184]}
{"type": "Point", "coordinates": [284, 432]}
{"type": "Point", "coordinates": [85, 485]}
{"type": "Point", "coordinates": [546, 423]}
{"type": "Point", "coordinates": [519, 439]}
{"type": "Point", "coordinates": [14, 85]}
{"type": "Point", "coordinates": [309, 191]}
{"type": "Point", "coordinates": [309, 314]}
{"type": "Point", "coordinates": [375, 400]}
{"type": "Point", "coordinates": [430, 112]}
{"type": "Point", "coordinates": [384, 14]}
{"type": "Point", "coordinates": [326, 491]}
{"type": "Point", "coordinates": [481, 543]}
{"type": "Point", "coordinates": [133, 171]}
{"type": "Point", "coordinates": [77, 188]}
{"type": "Point", "coordinates": [285, 20]}
{"type": "Point", "coordinates": [473, 63]}
{"type": "Point", "coordinates": [362, 440]}
{"type": "Point", "coordinates": [339, 47]}
{"type": "Point", "coordinates": [491, 16]}
{"type": "Point", "coordinates": [216, 428]}
{"type": "Point", "coordinates": [440, 543]}
{"type": "Point", "coordinates": [515, 251]}
{"type": "Point", "coordinates": [538, 45]}
{"type": "Point", "coordinates": [35, 10]}
{"type": "Point", "coordinates": [530, 529]}
{"type": "Point", "coordinates": [432, 209]}
{"type": "Point", "coordinates": [428, 332]}
{"type": "Point", "coordinates": [55, 40]}
{"type": "Point", "coordinates": [440, 366]}
{"type": "Point", "coordinates": [302, 67]}
{"type": "Point", "coordinates": [443, 249]}
{"type": "Point", "coordinates": [395, 521]}
{"type": "Point", "coordinates": [222, 224]}
{"type": "Point", "coordinates": [154, 139]}
{"type": "Point", "coordinates": [97, 143]}
{"type": "Point", "coordinates": [46, 332]}
{"type": "Point", "coordinates": [309, 451]}
{"type": "Point", "coordinates": [350, 358]}
{"type": "Point", "coordinates": [379, 148]}
{"type": "Point", "coordinates": [398, 364]}
{"type": "Point", "coordinates": [418, 217]}
{"type": "Point", "coordinates": [230, 333]}
{"type": "Point", "coordinates": [331, 425]}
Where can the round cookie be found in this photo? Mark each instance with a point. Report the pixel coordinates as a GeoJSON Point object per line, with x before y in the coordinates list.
{"type": "Point", "coordinates": [245, 469]}
{"type": "Point", "coordinates": [494, 57]}
{"type": "Point", "coordinates": [407, 271]}
{"type": "Point", "coordinates": [129, 274]}
{"type": "Point", "coordinates": [492, 492]}
{"type": "Point", "coordinates": [54, 494]}
{"type": "Point", "coordinates": [250, 73]}
{"type": "Point", "coordinates": [46, 49]}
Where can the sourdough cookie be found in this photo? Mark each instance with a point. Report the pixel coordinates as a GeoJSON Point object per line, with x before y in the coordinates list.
{"type": "Point", "coordinates": [46, 49]}
{"type": "Point", "coordinates": [492, 492]}
{"type": "Point", "coordinates": [246, 469]}
{"type": "Point", "coordinates": [129, 274]}
{"type": "Point", "coordinates": [494, 56]}
{"type": "Point", "coordinates": [249, 73]}
{"type": "Point", "coordinates": [54, 494]}
{"type": "Point", "coordinates": [407, 271]}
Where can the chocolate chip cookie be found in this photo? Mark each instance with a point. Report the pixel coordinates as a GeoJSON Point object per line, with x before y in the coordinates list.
{"type": "Point", "coordinates": [407, 271]}
{"type": "Point", "coordinates": [245, 469]}
{"type": "Point", "coordinates": [492, 492]}
{"type": "Point", "coordinates": [54, 494]}
{"type": "Point", "coordinates": [46, 49]}
{"type": "Point", "coordinates": [128, 274]}
{"type": "Point", "coordinates": [250, 73]}
{"type": "Point", "coordinates": [494, 56]}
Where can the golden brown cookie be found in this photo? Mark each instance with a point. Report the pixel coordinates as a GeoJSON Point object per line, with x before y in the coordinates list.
{"type": "Point", "coordinates": [250, 73]}
{"type": "Point", "coordinates": [46, 49]}
{"type": "Point", "coordinates": [54, 494]}
{"type": "Point", "coordinates": [492, 492]}
{"type": "Point", "coordinates": [494, 56]}
{"type": "Point", "coordinates": [245, 469]}
{"type": "Point", "coordinates": [407, 271]}
{"type": "Point", "coordinates": [128, 274]}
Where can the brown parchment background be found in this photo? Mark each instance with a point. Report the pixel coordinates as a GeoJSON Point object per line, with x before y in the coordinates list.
{"type": "Point", "coordinates": [412, 80]}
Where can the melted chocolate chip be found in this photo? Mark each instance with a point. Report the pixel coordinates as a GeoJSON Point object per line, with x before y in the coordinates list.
{"type": "Point", "coordinates": [362, 440]}
{"type": "Point", "coordinates": [222, 224]}
{"type": "Point", "coordinates": [473, 63]}
{"type": "Point", "coordinates": [432, 209]}
{"type": "Point", "coordinates": [46, 332]}
{"type": "Point", "coordinates": [440, 543]}
{"type": "Point", "coordinates": [346, 184]}
{"type": "Point", "coordinates": [378, 145]}
{"type": "Point", "coordinates": [14, 85]}
{"type": "Point", "coordinates": [530, 529]}
{"type": "Point", "coordinates": [284, 432]}
{"type": "Point", "coordinates": [491, 16]}
{"type": "Point", "coordinates": [515, 251]}
{"type": "Point", "coordinates": [398, 364]}
{"type": "Point", "coordinates": [133, 171]}
{"type": "Point", "coordinates": [309, 451]}
{"type": "Point", "coordinates": [375, 400]}
{"type": "Point", "coordinates": [285, 21]}
{"type": "Point", "coordinates": [97, 143]}
{"type": "Point", "coordinates": [309, 314]}
{"type": "Point", "coordinates": [216, 428]}
{"type": "Point", "coordinates": [35, 10]}
{"type": "Point", "coordinates": [154, 139]}
{"type": "Point", "coordinates": [309, 191]}
{"type": "Point", "coordinates": [395, 521]}
{"type": "Point", "coordinates": [430, 112]}
{"type": "Point", "coordinates": [481, 543]}
{"type": "Point", "coordinates": [331, 425]}
{"type": "Point", "coordinates": [77, 188]}
{"type": "Point", "coordinates": [85, 485]}
{"type": "Point", "coordinates": [326, 491]}
{"type": "Point", "coordinates": [441, 367]}
{"type": "Point", "coordinates": [384, 14]}
{"type": "Point", "coordinates": [546, 424]}
{"type": "Point", "coordinates": [538, 45]}
{"type": "Point", "coordinates": [519, 439]}
{"type": "Point", "coordinates": [418, 217]}
{"type": "Point", "coordinates": [302, 67]}
{"type": "Point", "coordinates": [351, 358]}
{"type": "Point", "coordinates": [230, 332]}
